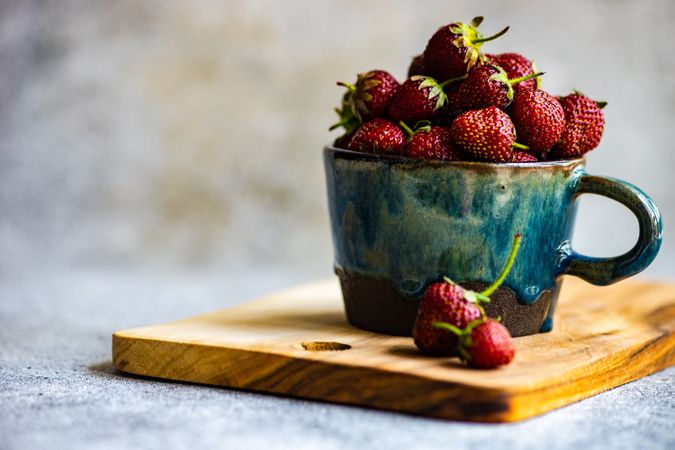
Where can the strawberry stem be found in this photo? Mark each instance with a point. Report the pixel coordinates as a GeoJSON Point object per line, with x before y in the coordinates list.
{"type": "Point", "coordinates": [491, 38]}
{"type": "Point", "coordinates": [473, 324]}
{"type": "Point", "coordinates": [520, 146]}
{"type": "Point", "coordinates": [351, 87]}
{"type": "Point", "coordinates": [448, 327]}
{"type": "Point", "coordinates": [406, 128]}
{"type": "Point", "coordinates": [452, 80]}
{"type": "Point", "coordinates": [526, 77]}
{"type": "Point", "coordinates": [507, 268]}
{"type": "Point", "coordinates": [448, 280]}
{"type": "Point", "coordinates": [464, 353]}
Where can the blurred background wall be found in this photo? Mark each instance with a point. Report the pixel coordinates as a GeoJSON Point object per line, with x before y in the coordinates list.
{"type": "Point", "coordinates": [188, 134]}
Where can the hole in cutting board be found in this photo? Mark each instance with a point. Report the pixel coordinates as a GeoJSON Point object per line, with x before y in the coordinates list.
{"type": "Point", "coordinates": [322, 346]}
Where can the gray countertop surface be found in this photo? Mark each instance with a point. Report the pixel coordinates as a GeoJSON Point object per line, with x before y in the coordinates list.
{"type": "Point", "coordinates": [59, 390]}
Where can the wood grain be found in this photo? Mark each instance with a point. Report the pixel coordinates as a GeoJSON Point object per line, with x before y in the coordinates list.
{"type": "Point", "coordinates": [603, 337]}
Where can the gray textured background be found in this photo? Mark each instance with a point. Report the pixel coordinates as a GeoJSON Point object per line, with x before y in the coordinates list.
{"type": "Point", "coordinates": [162, 158]}
{"type": "Point", "coordinates": [188, 134]}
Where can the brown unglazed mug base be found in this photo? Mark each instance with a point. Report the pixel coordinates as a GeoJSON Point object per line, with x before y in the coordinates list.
{"type": "Point", "coordinates": [377, 305]}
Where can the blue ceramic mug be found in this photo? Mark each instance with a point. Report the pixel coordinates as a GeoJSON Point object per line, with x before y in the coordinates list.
{"type": "Point", "coordinates": [400, 224]}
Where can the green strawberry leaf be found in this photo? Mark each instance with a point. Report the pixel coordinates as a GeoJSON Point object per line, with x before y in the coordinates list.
{"type": "Point", "coordinates": [370, 83]}
{"type": "Point", "coordinates": [423, 125]}
{"type": "Point", "coordinates": [470, 296]}
{"type": "Point", "coordinates": [457, 28]}
{"type": "Point", "coordinates": [476, 21]}
{"type": "Point", "coordinates": [476, 297]}
{"type": "Point", "coordinates": [434, 91]}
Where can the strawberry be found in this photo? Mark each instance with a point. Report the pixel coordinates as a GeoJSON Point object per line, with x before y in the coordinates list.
{"type": "Point", "coordinates": [417, 66]}
{"type": "Point", "coordinates": [343, 141]}
{"type": "Point", "coordinates": [539, 119]}
{"type": "Point", "coordinates": [488, 85]}
{"type": "Point", "coordinates": [486, 134]}
{"type": "Point", "coordinates": [584, 124]}
{"type": "Point", "coordinates": [430, 142]}
{"type": "Point", "coordinates": [491, 345]}
{"type": "Point", "coordinates": [442, 302]}
{"type": "Point", "coordinates": [378, 136]}
{"type": "Point", "coordinates": [371, 94]}
{"type": "Point", "coordinates": [455, 48]}
{"type": "Point", "coordinates": [484, 343]}
{"type": "Point", "coordinates": [522, 157]}
{"type": "Point", "coordinates": [419, 98]}
{"type": "Point", "coordinates": [516, 66]}
{"type": "Point", "coordinates": [454, 107]}
{"type": "Point", "coordinates": [456, 308]}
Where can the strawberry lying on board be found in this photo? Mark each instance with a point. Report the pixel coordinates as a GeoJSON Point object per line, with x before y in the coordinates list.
{"type": "Point", "coordinates": [450, 321]}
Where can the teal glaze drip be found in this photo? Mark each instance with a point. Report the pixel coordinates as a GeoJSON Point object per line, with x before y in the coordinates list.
{"type": "Point", "coordinates": [547, 326]}
{"type": "Point", "coordinates": [413, 223]}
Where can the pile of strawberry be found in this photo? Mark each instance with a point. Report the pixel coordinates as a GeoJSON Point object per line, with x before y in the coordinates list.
{"type": "Point", "coordinates": [461, 104]}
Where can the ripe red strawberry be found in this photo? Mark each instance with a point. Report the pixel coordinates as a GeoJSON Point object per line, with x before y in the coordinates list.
{"type": "Point", "coordinates": [488, 85]}
{"type": "Point", "coordinates": [378, 136]}
{"type": "Point", "coordinates": [491, 345]}
{"type": "Point", "coordinates": [523, 157]}
{"type": "Point", "coordinates": [417, 66]}
{"type": "Point", "coordinates": [446, 308]}
{"type": "Point", "coordinates": [487, 134]}
{"type": "Point", "coordinates": [418, 98]}
{"type": "Point", "coordinates": [484, 343]}
{"type": "Point", "coordinates": [371, 94]}
{"type": "Point", "coordinates": [454, 107]}
{"type": "Point", "coordinates": [430, 142]}
{"type": "Point", "coordinates": [539, 119]}
{"type": "Point", "coordinates": [584, 124]}
{"type": "Point", "coordinates": [344, 140]}
{"type": "Point", "coordinates": [442, 302]}
{"type": "Point", "coordinates": [516, 66]}
{"type": "Point", "coordinates": [455, 48]}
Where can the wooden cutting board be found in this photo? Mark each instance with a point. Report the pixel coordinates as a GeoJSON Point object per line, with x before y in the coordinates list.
{"type": "Point", "coordinates": [297, 343]}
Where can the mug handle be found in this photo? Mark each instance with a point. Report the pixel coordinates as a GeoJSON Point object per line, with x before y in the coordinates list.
{"type": "Point", "coordinates": [603, 271]}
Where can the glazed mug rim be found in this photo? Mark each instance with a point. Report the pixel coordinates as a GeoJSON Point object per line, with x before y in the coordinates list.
{"type": "Point", "coordinates": [351, 154]}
